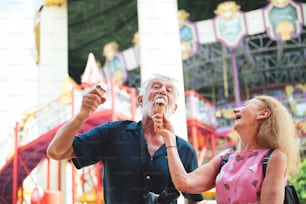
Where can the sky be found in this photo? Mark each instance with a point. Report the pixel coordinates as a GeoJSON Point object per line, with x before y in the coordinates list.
{"type": "Point", "coordinates": [18, 70]}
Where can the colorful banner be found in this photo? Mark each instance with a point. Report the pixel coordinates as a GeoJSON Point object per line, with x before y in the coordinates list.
{"type": "Point", "coordinates": [283, 19]}
{"type": "Point", "coordinates": [188, 35]}
{"type": "Point", "coordinates": [229, 24]}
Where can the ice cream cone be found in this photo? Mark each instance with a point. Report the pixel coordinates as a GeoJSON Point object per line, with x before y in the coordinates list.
{"type": "Point", "coordinates": [160, 108]}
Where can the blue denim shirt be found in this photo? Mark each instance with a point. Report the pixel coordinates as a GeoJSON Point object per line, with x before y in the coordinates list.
{"type": "Point", "coordinates": [117, 145]}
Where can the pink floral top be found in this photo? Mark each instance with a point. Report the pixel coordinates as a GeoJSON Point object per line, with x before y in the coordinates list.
{"type": "Point", "coordinates": [240, 179]}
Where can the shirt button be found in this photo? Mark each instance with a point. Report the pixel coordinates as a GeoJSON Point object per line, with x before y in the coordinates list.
{"type": "Point", "coordinates": [148, 177]}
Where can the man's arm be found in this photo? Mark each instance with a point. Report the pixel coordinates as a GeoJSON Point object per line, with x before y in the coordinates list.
{"type": "Point", "coordinates": [61, 146]}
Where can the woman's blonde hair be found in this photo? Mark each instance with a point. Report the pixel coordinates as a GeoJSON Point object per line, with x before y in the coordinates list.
{"type": "Point", "coordinates": [279, 132]}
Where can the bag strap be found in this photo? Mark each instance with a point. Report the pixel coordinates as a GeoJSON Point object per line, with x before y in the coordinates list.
{"type": "Point", "coordinates": [142, 148]}
{"type": "Point", "coordinates": [265, 161]}
{"type": "Point", "coordinates": [143, 155]}
{"type": "Point", "coordinates": [224, 160]}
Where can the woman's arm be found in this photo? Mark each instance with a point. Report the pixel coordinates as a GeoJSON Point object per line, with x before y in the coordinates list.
{"type": "Point", "coordinates": [273, 187]}
{"type": "Point", "coordinates": [197, 181]}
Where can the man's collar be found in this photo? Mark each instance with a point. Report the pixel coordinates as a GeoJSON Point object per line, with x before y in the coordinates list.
{"type": "Point", "coordinates": [133, 126]}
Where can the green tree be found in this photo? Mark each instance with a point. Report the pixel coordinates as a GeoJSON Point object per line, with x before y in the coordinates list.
{"type": "Point", "coordinates": [300, 182]}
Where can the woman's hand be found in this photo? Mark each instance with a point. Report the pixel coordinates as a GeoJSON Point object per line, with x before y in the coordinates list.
{"type": "Point", "coordinates": [163, 127]}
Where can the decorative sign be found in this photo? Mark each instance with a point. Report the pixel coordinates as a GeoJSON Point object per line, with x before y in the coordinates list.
{"type": "Point", "coordinates": [229, 24]}
{"type": "Point", "coordinates": [283, 19]}
{"type": "Point", "coordinates": [188, 35]}
{"type": "Point", "coordinates": [115, 66]}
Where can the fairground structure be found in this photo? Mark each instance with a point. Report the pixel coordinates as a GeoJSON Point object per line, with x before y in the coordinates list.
{"type": "Point", "coordinates": [219, 62]}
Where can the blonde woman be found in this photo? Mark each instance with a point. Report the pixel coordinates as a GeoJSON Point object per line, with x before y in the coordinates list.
{"type": "Point", "coordinates": [262, 123]}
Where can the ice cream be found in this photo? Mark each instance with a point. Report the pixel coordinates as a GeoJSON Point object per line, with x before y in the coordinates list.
{"type": "Point", "coordinates": [160, 108]}
{"type": "Point", "coordinates": [160, 105]}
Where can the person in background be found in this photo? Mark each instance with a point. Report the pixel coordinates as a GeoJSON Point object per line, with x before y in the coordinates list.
{"type": "Point", "coordinates": [134, 156]}
{"type": "Point", "coordinates": [262, 123]}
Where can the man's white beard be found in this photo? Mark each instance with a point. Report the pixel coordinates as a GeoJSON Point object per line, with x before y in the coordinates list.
{"type": "Point", "coordinates": [147, 109]}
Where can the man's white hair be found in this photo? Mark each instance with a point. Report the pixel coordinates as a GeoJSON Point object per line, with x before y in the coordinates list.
{"type": "Point", "coordinates": [157, 77]}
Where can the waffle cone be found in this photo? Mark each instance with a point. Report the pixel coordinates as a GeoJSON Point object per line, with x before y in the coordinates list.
{"type": "Point", "coordinates": [160, 108]}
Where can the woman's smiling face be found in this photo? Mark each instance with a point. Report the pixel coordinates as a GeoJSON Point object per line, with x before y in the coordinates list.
{"type": "Point", "coordinates": [246, 115]}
